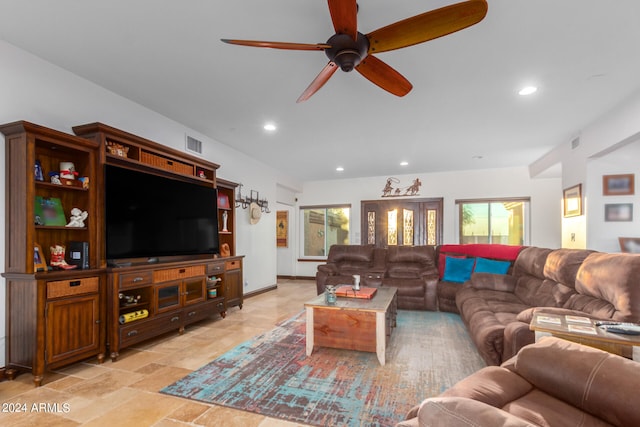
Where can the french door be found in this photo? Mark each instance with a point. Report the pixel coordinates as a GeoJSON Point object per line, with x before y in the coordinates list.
{"type": "Point", "coordinates": [401, 222]}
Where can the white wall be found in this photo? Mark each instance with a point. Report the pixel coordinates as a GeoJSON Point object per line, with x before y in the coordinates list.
{"type": "Point", "coordinates": [598, 140]}
{"type": "Point", "coordinates": [605, 234]}
{"type": "Point", "coordinates": [34, 90]}
{"type": "Point", "coordinates": [545, 196]}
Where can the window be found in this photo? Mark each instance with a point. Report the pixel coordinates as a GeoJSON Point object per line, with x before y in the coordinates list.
{"type": "Point", "coordinates": [504, 221]}
{"type": "Point", "coordinates": [323, 226]}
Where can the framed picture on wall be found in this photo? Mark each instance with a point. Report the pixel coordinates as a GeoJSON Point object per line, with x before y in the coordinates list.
{"type": "Point", "coordinates": [572, 201]}
{"type": "Point", "coordinates": [282, 229]}
{"type": "Point", "coordinates": [618, 185]}
{"type": "Point", "coordinates": [618, 212]}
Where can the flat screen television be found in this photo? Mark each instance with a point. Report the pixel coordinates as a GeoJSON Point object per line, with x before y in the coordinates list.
{"type": "Point", "coordinates": [149, 216]}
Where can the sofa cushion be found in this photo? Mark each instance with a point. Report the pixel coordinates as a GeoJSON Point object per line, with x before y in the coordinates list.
{"type": "Point", "coordinates": [458, 270]}
{"type": "Point", "coordinates": [410, 262]}
{"type": "Point", "coordinates": [562, 265]}
{"type": "Point", "coordinates": [531, 262]}
{"type": "Point", "coordinates": [461, 412]}
{"type": "Point", "coordinates": [608, 287]}
{"type": "Point", "coordinates": [592, 380]}
{"type": "Point", "coordinates": [484, 265]}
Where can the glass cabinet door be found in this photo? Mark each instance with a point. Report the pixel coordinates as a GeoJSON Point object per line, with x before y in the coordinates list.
{"type": "Point", "coordinates": [168, 296]}
{"type": "Point", "coordinates": [194, 290]}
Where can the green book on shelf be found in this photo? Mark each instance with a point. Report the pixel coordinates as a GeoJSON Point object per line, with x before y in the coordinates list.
{"type": "Point", "coordinates": [48, 211]}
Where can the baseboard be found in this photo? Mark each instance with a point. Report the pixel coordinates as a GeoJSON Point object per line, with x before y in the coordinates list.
{"type": "Point", "coordinates": [3, 375]}
{"type": "Point", "coordinates": [260, 291]}
{"type": "Point", "coordinates": [297, 277]}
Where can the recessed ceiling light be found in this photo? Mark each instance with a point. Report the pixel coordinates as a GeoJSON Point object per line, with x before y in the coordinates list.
{"type": "Point", "coordinates": [528, 90]}
{"type": "Point", "coordinates": [340, 169]}
{"type": "Point", "coordinates": [270, 127]}
{"type": "Point", "coordinates": [404, 163]}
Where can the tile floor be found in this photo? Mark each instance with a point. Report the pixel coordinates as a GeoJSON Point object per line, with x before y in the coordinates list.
{"type": "Point", "coordinates": [125, 393]}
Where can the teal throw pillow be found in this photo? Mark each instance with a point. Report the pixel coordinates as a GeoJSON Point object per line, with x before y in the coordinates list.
{"type": "Point", "coordinates": [484, 265]}
{"type": "Point", "coordinates": [458, 270]}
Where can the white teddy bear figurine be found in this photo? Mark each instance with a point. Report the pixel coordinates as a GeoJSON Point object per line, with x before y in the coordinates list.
{"type": "Point", "coordinates": [77, 218]}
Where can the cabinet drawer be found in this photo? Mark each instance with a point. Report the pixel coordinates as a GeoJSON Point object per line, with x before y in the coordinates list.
{"type": "Point", "coordinates": [232, 265]}
{"type": "Point", "coordinates": [178, 273]}
{"type": "Point", "coordinates": [141, 330]}
{"type": "Point", "coordinates": [213, 269]}
{"type": "Point", "coordinates": [131, 280]}
{"type": "Point", "coordinates": [65, 288]}
{"type": "Point", "coordinates": [203, 311]}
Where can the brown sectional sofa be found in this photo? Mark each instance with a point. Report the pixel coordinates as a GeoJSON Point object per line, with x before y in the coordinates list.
{"type": "Point", "coordinates": [496, 309]}
{"type": "Point", "coordinates": [550, 383]}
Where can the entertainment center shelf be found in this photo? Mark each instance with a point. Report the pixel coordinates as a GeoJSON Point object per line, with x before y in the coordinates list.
{"type": "Point", "coordinates": [125, 149]}
{"type": "Point", "coordinates": [57, 317]}
{"type": "Point", "coordinates": [148, 300]}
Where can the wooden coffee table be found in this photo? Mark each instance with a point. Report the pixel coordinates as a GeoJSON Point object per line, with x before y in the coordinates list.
{"type": "Point", "coordinates": [583, 330]}
{"type": "Point", "coordinates": [352, 323]}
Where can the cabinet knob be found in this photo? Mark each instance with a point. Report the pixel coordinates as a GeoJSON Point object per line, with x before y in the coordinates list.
{"type": "Point", "coordinates": [192, 313]}
{"type": "Point", "coordinates": [132, 333]}
{"type": "Point", "coordinates": [175, 319]}
{"type": "Point", "coordinates": [138, 279]}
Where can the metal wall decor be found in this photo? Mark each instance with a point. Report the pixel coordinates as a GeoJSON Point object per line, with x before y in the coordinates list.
{"type": "Point", "coordinates": [245, 202]}
{"type": "Point", "coordinates": [392, 189]}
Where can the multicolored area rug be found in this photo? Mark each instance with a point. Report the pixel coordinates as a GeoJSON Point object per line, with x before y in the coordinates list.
{"type": "Point", "coordinates": [271, 374]}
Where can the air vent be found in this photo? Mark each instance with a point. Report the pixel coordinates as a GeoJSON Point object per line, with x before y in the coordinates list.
{"type": "Point", "coordinates": [194, 145]}
{"type": "Point", "coordinates": [575, 143]}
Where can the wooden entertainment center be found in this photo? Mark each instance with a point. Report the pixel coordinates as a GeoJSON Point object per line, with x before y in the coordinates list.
{"type": "Point", "coordinates": [58, 317]}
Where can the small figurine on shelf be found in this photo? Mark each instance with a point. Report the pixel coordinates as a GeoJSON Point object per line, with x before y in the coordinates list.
{"type": "Point", "coordinates": [55, 178]}
{"type": "Point", "coordinates": [201, 173]}
{"type": "Point", "coordinates": [57, 258]}
{"type": "Point", "coordinates": [85, 182]}
{"type": "Point", "coordinates": [68, 170]}
{"type": "Point", "coordinates": [130, 299]}
{"type": "Point", "coordinates": [39, 174]}
{"type": "Point", "coordinates": [225, 218]}
{"type": "Point", "coordinates": [117, 149]}
{"type": "Point", "coordinates": [77, 218]}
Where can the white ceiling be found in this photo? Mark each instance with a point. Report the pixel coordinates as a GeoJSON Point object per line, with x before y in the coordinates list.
{"type": "Point", "coordinates": [167, 56]}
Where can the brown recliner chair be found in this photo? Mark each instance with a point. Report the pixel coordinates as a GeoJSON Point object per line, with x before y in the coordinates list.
{"type": "Point", "coordinates": [344, 261]}
{"type": "Point", "coordinates": [413, 270]}
{"type": "Point", "coordinates": [550, 383]}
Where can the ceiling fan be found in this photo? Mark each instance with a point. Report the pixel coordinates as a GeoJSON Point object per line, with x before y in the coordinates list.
{"type": "Point", "coordinates": [349, 49]}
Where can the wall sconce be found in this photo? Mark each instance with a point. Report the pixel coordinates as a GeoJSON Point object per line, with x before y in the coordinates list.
{"type": "Point", "coordinates": [245, 202]}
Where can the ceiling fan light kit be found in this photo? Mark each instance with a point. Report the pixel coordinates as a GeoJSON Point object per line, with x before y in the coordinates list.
{"type": "Point", "coordinates": [350, 49]}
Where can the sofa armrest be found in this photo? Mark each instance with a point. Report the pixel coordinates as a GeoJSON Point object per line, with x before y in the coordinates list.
{"type": "Point", "coordinates": [328, 269]}
{"type": "Point", "coordinates": [493, 282]}
{"type": "Point", "coordinates": [461, 412]}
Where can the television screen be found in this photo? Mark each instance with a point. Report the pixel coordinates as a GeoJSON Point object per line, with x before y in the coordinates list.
{"type": "Point", "coordinates": [152, 216]}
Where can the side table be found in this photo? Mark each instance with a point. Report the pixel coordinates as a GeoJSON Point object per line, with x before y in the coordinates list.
{"type": "Point", "coordinates": [583, 330]}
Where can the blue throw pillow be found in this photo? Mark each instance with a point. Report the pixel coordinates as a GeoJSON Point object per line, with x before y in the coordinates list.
{"type": "Point", "coordinates": [458, 270]}
{"type": "Point", "coordinates": [484, 265]}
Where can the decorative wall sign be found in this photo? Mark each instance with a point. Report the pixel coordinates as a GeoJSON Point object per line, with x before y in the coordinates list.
{"type": "Point", "coordinates": [391, 189]}
{"type": "Point", "coordinates": [282, 229]}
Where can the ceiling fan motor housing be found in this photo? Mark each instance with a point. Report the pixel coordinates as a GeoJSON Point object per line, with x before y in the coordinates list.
{"type": "Point", "coordinates": [346, 52]}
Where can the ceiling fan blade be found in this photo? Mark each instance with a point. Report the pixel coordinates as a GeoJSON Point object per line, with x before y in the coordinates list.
{"type": "Point", "coordinates": [279, 45]}
{"type": "Point", "coordinates": [427, 26]}
{"type": "Point", "coordinates": [319, 81]}
{"type": "Point", "coordinates": [344, 15]}
{"type": "Point", "coordinates": [381, 74]}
